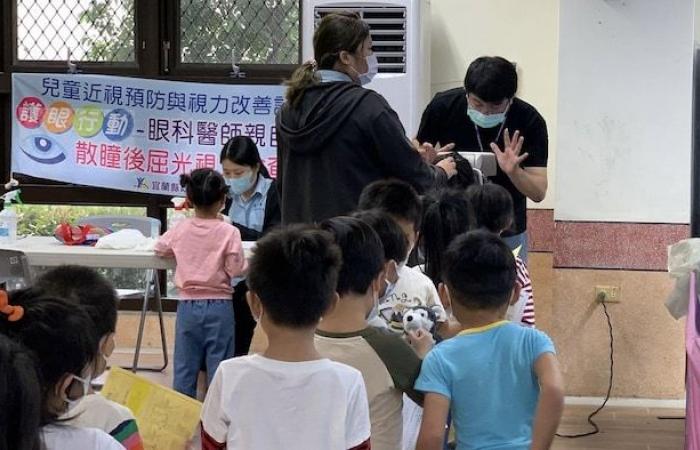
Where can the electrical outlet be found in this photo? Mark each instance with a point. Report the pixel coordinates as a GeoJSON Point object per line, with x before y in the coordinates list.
{"type": "Point", "coordinates": [608, 294]}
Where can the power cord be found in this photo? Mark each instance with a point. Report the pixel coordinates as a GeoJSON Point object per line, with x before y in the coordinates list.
{"type": "Point", "coordinates": [596, 430]}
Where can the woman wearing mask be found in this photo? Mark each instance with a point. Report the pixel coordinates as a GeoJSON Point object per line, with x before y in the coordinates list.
{"type": "Point", "coordinates": [335, 137]}
{"type": "Point", "coordinates": [253, 208]}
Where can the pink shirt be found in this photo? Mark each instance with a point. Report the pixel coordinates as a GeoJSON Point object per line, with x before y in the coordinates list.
{"type": "Point", "coordinates": [208, 253]}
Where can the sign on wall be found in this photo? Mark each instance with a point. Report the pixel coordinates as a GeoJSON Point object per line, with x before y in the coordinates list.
{"type": "Point", "coordinates": [133, 134]}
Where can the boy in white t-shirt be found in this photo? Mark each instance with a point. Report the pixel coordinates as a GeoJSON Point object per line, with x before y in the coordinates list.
{"type": "Point", "coordinates": [407, 287]}
{"type": "Point", "coordinates": [288, 397]}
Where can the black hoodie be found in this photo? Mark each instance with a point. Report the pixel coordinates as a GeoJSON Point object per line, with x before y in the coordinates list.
{"type": "Point", "coordinates": [337, 140]}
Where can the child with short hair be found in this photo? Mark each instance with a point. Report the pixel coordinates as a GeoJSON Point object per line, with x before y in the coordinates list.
{"type": "Point", "coordinates": [85, 287]}
{"type": "Point", "coordinates": [289, 397]}
{"type": "Point", "coordinates": [411, 287]}
{"type": "Point", "coordinates": [500, 381]}
{"type": "Point", "coordinates": [209, 253]}
{"type": "Point", "coordinates": [388, 364]}
{"type": "Point", "coordinates": [493, 208]}
{"type": "Point", "coordinates": [61, 338]}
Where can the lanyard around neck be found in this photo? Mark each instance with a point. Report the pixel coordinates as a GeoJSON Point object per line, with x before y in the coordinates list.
{"type": "Point", "coordinates": [478, 136]}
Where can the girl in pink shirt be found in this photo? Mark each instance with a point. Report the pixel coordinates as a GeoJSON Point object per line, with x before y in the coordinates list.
{"type": "Point", "coordinates": [208, 252]}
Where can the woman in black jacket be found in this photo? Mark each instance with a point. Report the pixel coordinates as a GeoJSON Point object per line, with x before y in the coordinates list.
{"type": "Point", "coordinates": [335, 137]}
{"type": "Point", "coordinates": [253, 207]}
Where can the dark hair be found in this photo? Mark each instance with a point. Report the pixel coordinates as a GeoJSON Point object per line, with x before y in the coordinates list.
{"type": "Point", "coordinates": [20, 397]}
{"type": "Point", "coordinates": [361, 250]}
{"type": "Point", "coordinates": [493, 207]}
{"type": "Point", "coordinates": [60, 336]}
{"type": "Point", "coordinates": [204, 187]}
{"type": "Point", "coordinates": [294, 271]}
{"type": "Point", "coordinates": [448, 214]}
{"type": "Point", "coordinates": [491, 78]}
{"type": "Point", "coordinates": [479, 270]}
{"type": "Point", "coordinates": [393, 239]}
{"type": "Point", "coordinates": [86, 287]}
{"type": "Point", "coordinates": [335, 33]}
{"type": "Point", "coordinates": [465, 172]}
{"type": "Point", "coordinates": [395, 197]}
{"type": "Point", "coordinates": [243, 151]}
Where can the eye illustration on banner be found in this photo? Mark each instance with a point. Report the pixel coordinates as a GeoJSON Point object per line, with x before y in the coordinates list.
{"type": "Point", "coordinates": [118, 125]}
{"type": "Point", "coordinates": [43, 149]}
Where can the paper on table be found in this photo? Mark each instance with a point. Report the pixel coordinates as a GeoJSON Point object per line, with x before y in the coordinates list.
{"type": "Point", "coordinates": [166, 419]}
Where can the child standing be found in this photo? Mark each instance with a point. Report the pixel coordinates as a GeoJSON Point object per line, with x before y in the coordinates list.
{"type": "Point", "coordinates": [493, 208]}
{"type": "Point", "coordinates": [500, 381]}
{"type": "Point", "coordinates": [85, 287]}
{"type": "Point", "coordinates": [60, 337]}
{"type": "Point", "coordinates": [209, 253]}
{"type": "Point", "coordinates": [289, 397]}
{"type": "Point", "coordinates": [411, 288]}
{"type": "Point", "coordinates": [388, 364]}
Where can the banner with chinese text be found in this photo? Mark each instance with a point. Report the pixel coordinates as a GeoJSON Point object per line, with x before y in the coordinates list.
{"type": "Point", "coordinates": [133, 134]}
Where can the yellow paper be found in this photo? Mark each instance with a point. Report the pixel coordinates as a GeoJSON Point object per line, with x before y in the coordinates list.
{"type": "Point", "coordinates": [166, 419]}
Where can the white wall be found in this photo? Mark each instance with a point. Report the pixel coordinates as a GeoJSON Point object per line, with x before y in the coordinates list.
{"type": "Point", "coordinates": [624, 110]}
{"type": "Point", "coordinates": [523, 31]}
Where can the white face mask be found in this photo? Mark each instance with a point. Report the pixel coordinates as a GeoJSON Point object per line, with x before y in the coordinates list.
{"type": "Point", "coordinates": [85, 383]}
{"type": "Point", "coordinates": [374, 312]}
{"type": "Point", "coordinates": [372, 69]}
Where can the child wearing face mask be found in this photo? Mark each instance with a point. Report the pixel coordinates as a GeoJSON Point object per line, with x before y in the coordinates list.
{"type": "Point", "coordinates": [209, 254]}
{"type": "Point", "coordinates": [388, 364]}
{"type": "Point", "coordinates": [85, 287]}
{"type": "Point", "coordinates": [407, 287]}
{"type": "Point", "coordinates": [61, 338]}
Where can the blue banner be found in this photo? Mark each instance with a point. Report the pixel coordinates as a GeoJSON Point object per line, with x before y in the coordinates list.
{"type": "Point", "coordinates": [134, 134]}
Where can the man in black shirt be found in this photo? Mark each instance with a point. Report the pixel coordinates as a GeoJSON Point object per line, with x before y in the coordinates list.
{"type": "Point", "coordinates": [485, 116]}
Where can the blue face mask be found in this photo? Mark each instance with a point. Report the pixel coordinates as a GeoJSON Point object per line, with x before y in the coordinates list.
{"type": "Point", "coordinates": [239, 185]}
{"type": "Point", "coordinates": [485, 120]}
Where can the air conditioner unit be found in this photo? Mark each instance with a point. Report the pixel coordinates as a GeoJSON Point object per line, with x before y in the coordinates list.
{"type": "Point", "coordinates": [401, 36]}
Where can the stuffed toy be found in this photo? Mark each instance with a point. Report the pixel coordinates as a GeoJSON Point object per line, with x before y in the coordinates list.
{"type": "Point", "coordinates": [420, 318]}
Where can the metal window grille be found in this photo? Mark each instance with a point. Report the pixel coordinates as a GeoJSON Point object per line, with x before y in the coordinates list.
{"type": "Point", "coordinates": [388, 30]}
{"type": "Point", "coordinates": [247, 31]}
{"type": "Point", "coordinates": [82, 30]}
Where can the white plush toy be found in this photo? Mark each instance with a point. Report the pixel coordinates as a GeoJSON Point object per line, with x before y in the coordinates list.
{"type": "Point", "coordinates": [420, 318]}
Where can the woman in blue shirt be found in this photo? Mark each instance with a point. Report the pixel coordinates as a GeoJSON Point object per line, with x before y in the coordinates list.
{"type": "Point", "coordinates": [253, 206]}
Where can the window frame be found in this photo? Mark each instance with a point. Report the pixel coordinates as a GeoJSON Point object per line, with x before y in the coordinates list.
{"type": "Point", "coordinates": [156, 22]}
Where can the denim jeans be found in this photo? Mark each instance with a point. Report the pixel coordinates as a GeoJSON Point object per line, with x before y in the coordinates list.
{"type": "Point", "coordinates": [518, 240]}
{"type": "Point", "coordinates": [204, 336]}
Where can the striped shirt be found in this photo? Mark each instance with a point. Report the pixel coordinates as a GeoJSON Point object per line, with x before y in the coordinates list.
{"type": "Point", "coordinates": [523, 276]}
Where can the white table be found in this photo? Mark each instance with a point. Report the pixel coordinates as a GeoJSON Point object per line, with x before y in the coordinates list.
{"type": "Point", "coordinates": [47, 251]}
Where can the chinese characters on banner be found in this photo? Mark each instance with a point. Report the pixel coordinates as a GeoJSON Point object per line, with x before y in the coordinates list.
{"type": "Point", "coordinates": [133, 134]}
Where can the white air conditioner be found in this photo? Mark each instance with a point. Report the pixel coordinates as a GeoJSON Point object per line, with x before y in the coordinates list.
{"type": "Point", "coordinates": [401, 37]}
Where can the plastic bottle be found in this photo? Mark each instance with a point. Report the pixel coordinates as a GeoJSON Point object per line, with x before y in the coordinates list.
{"type": "Point", "coordinates": [180, 204]}
{"type": "Point", "coordinates": [8, 218]}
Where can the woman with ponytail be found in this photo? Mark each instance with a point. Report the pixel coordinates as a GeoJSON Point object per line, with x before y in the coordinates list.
{"type": "Point", "coordinates": [335, 137]}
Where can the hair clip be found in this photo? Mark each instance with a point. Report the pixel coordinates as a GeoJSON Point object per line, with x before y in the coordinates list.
{"type": "Point", "coordinates": [13, 313]}
{"type": "Point", "coordinates": [312, 63]}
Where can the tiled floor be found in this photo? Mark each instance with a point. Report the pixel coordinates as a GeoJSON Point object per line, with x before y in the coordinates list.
{"type": "Point", "coordinates": [621, 428]}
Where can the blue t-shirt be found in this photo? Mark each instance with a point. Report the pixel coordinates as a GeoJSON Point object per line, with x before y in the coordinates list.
{"type": "Point", "coordinates": [488, 375]}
